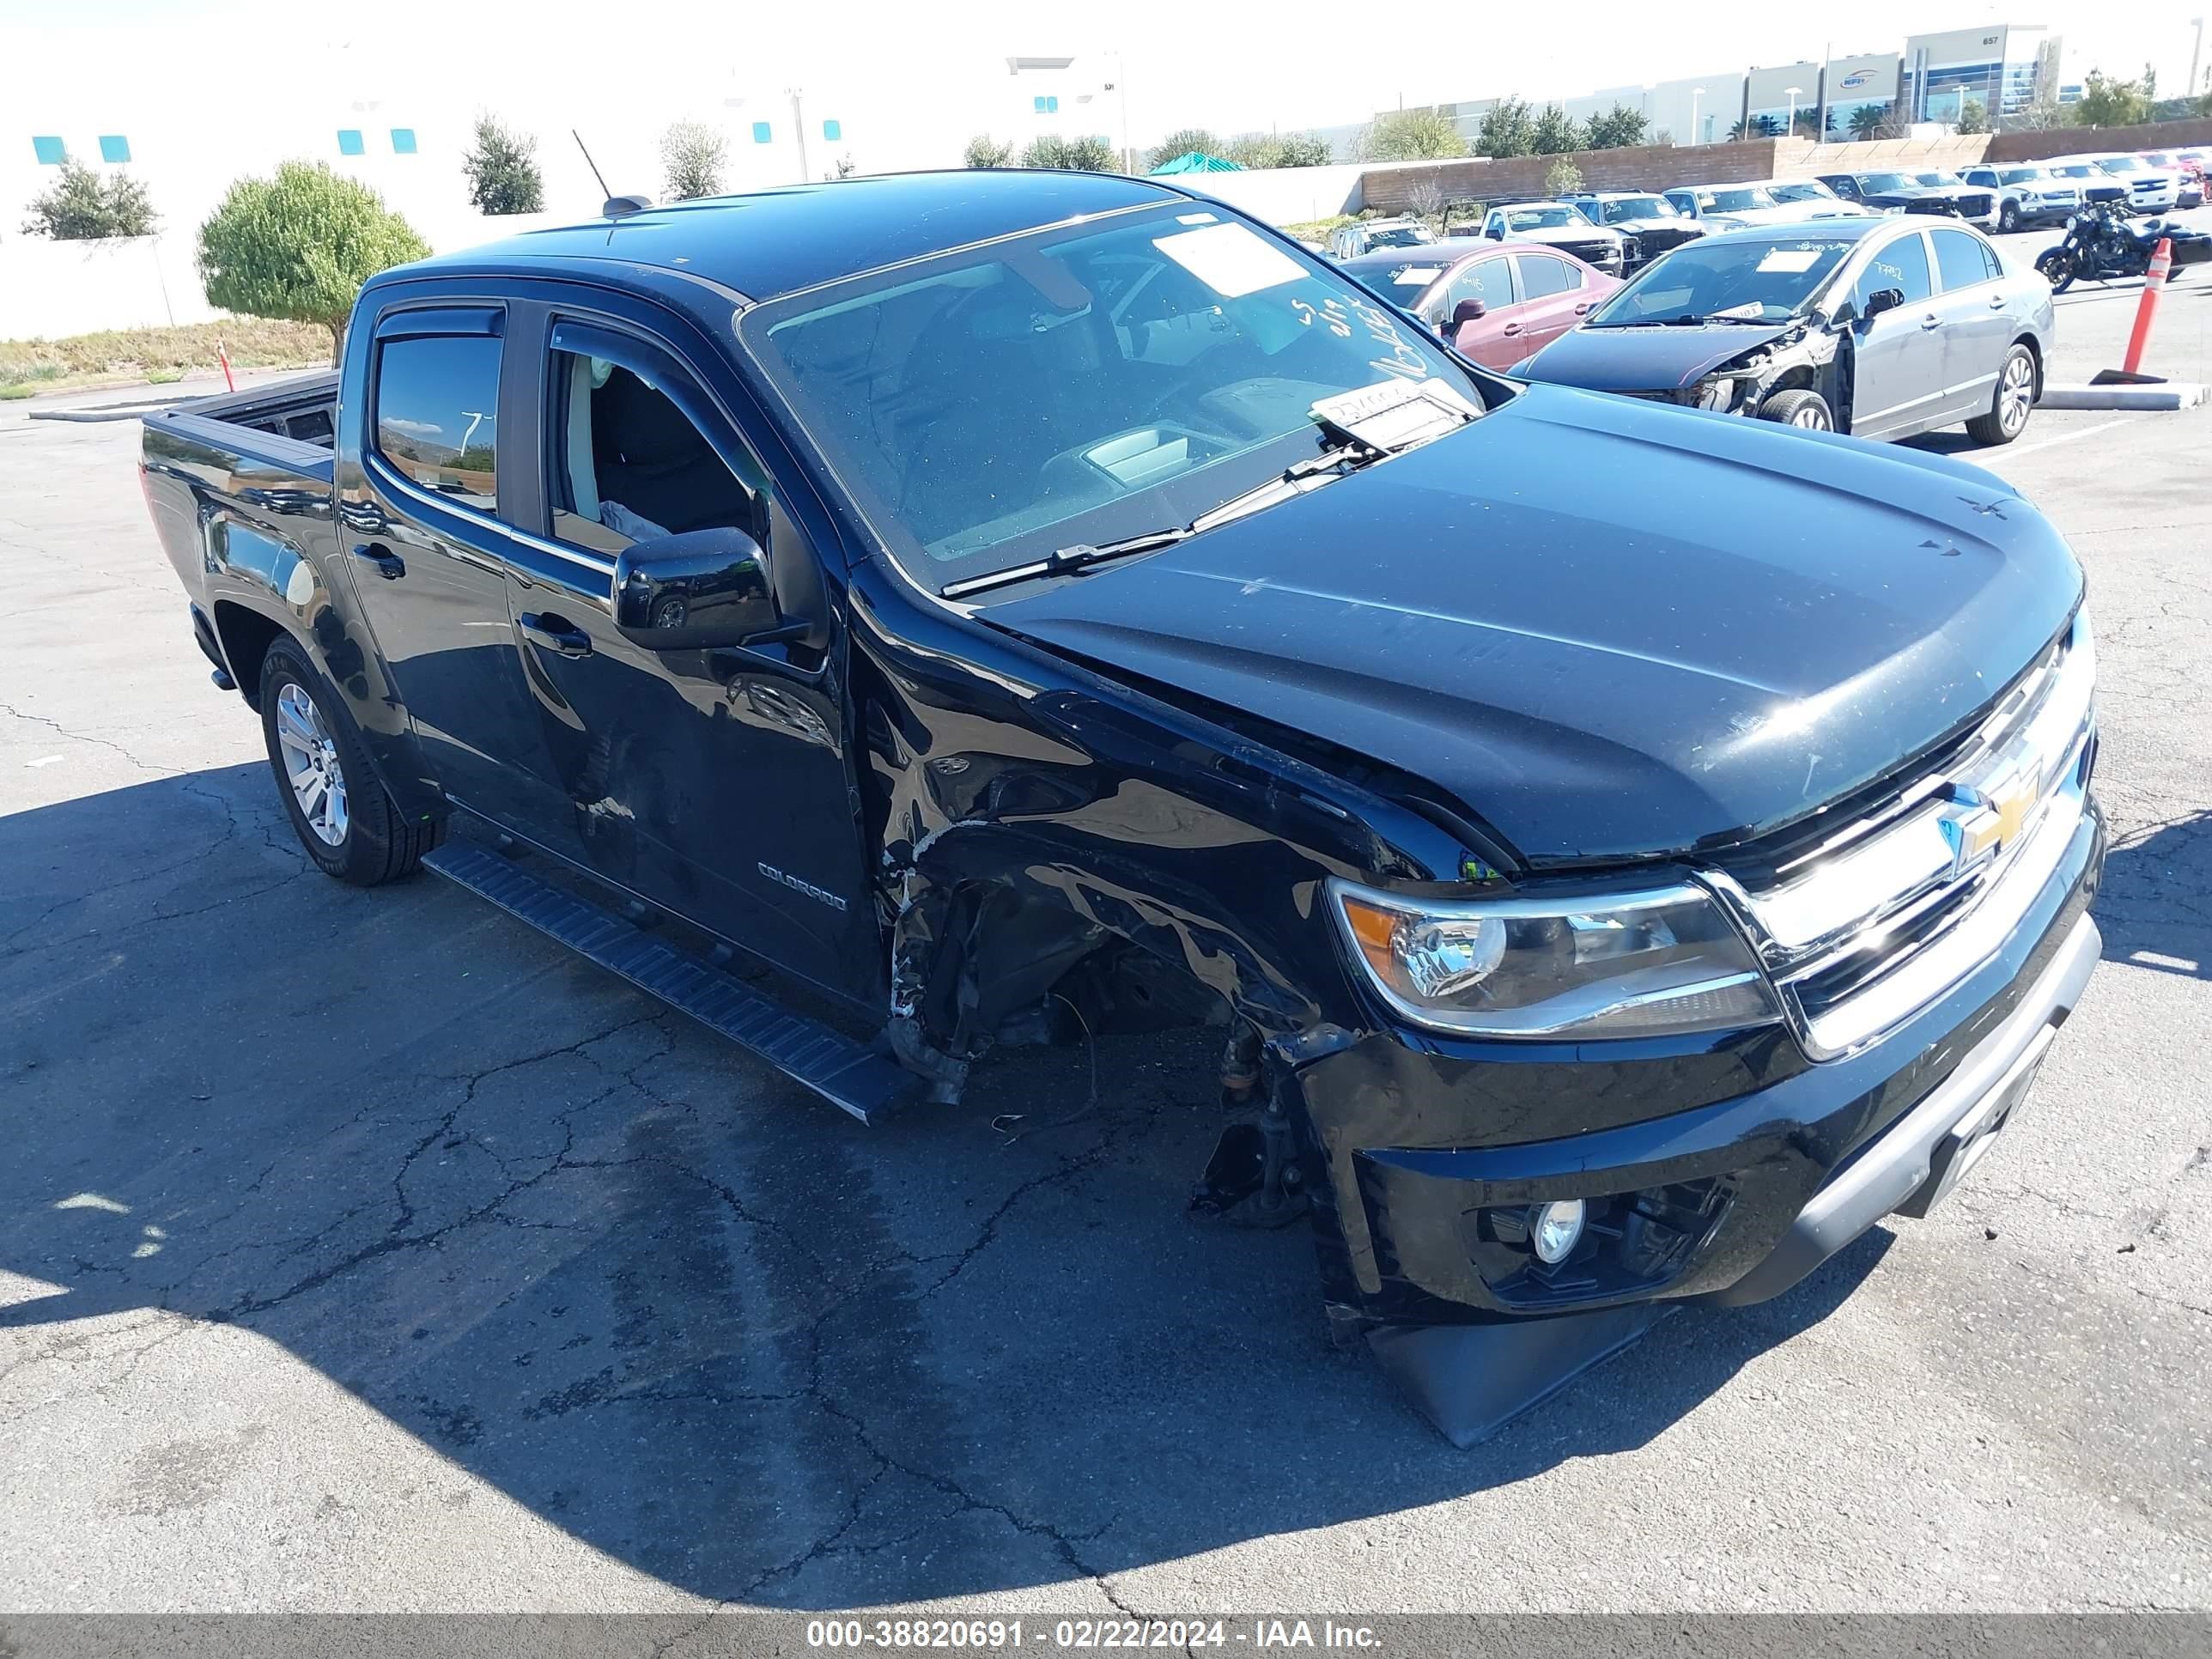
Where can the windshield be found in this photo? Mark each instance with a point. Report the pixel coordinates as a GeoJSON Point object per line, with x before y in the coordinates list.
{"type": "Point", "coordinates": [2075, 170]}
{"type": "Point", "coordinates": [1637, 207]}
{"type": "Point", "coordinates": [1400, 276]}
{"type": "Point", "coordinates": [2019, 175]}
{"type": "Point", "coordinates": [1736, 199]}
{"type": "Point", "coordinates": [2123, 164]}
{"type": "Point", "coordinates": [1081, 384]}
{"type": "Point", "coordinates": [1398, 236]}
{"type": "Point", "coordinates": [1804, 190]}
{"type": "Point", "coordinates": [1935, 178]}
{"type": "Point", "coordinates": [1725, 278]}
{"type": "Point", "coordinates": [1561, 217]}
{"type": "Point", "coordinates": [1875, 183]}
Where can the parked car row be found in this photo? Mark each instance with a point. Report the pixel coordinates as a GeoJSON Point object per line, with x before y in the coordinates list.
{"type": "Point", "coordinates": [1882, 326]}
{"type": "Point", "coordinates": [1617, 232]}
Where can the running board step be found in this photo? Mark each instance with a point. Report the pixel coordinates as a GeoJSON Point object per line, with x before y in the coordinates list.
{"type": "Point", "coordinates": [846, 1073]}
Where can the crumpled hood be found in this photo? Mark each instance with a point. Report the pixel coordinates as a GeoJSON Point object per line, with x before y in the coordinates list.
{"type": "Point", "coordinates": [1660, 358]}
{"type": "Point", "coordinates": [1608, 629]}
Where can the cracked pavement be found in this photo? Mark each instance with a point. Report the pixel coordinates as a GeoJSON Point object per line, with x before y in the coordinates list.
{"type": "Point", "coordinates": [366, 1251]}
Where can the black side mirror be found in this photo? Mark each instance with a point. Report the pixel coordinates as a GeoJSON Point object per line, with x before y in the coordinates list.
{"type": "Point", "coordinates": [1467, 311]}
{"type": "Point", "coordinates": [703, 590]}
{"type": "Point", "coordinates": [1882, 299]}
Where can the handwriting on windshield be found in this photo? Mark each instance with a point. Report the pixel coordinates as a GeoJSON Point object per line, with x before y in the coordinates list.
{"type": "Point", "coordinates": [1340, 317]}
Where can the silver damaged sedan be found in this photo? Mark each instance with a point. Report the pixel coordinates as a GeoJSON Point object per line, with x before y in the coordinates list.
{"type": "Point", "coordinates": [1880, 327]}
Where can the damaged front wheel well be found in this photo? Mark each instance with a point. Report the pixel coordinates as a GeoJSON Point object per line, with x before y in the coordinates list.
{"type": "Point", "coordinates": [983, 962]}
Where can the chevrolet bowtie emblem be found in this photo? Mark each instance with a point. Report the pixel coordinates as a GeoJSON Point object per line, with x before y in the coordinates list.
{"type": "Point", "coordinates": [1982, 823]}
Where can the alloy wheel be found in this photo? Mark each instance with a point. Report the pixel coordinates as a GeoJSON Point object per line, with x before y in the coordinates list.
{"type": "Point", "coordinates": [2016, 392]}
{"type": "Point", "coordinates": [311, 764]}
{"type": "Point", "coordinates": [1813, 417]}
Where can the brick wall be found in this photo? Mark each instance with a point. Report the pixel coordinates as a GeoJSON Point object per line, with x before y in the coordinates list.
{"type": "Point", "coordinates": [1520, 178]}
{"type": "Point", "coordinates": [2074, 141]}
{"type": "Point", "coordinates": [1958, 151]}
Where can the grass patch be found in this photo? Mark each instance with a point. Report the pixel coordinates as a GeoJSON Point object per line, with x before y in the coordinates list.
{"type": "Point", "coordinates": [159, 354]}
{"type": "Point", "coordinates": [1319, 230]}
{"type": "Point", "coordinates": [11, 390]}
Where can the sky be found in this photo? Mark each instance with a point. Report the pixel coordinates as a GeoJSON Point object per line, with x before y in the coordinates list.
{"type": "Point", "coordinates": [909, 84]}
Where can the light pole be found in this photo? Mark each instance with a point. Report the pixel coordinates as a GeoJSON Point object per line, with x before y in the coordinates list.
{"type": "Point", "coordinates": [1789, 127]}
{"type": "Point", "coordinates": [2195, 52]}
{"type": "Point", "coordinates": [798, 126]}
{"type": "Point", "coordinates": [1696, 93]}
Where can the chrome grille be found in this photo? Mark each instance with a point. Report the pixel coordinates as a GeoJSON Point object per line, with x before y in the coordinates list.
{"type": "Point", "coordinates": [1865, 929]}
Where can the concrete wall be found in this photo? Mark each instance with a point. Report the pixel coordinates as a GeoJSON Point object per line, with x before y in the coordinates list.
{"type": "Point", "coordinates": [2074, 141]}
{"type": "Point", "coordinates": [49, 290]}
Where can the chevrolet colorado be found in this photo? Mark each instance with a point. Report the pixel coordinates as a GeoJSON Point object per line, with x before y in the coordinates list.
{"type": "Point", "coordinates": [1624, 851]}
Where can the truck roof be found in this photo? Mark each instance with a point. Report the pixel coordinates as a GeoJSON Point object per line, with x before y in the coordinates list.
{"type": "Point", "coordinates": [771, 242]}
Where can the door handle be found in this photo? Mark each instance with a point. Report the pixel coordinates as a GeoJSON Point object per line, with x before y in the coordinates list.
{"type": "Point", "coordinates": [1931, 320]}
{"type": "Point", "coordinates": [555, 635]}
{"type": "Point", "coordinates": [1582, 310]}
{"type": "Point", "coordinates": [389, 565]}
{"type": "Point", "coordinates": [1996, 302]}
{"type": "Point", "coordinates": [1510, 328]}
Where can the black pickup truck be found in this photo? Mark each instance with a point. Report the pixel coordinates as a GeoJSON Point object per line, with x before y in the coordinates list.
{"type": "Point", "coordinates": [1624, 851]}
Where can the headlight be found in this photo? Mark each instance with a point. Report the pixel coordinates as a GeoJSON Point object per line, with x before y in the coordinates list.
{"type": "Point", "coordinates": [1651, 963]}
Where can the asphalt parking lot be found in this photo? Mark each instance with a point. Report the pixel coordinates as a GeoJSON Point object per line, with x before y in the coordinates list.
{"type": "Point", "coordinates": [363, 1250]}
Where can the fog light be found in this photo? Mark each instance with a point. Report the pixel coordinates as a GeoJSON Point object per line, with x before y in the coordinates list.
{"type": "Point", "coordinates": [1555, 1229]}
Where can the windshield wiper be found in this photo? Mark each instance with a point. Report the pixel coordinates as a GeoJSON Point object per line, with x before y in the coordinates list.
{"type": "Point", "coordinates": [1337, 458]}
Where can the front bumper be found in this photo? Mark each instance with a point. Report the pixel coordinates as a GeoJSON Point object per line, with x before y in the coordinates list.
{"type": "Point", "coordinates": [1722, 1171]}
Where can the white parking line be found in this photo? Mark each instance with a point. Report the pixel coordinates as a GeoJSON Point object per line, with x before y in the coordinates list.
{"type": "Point", "coordinates": [2062, 438]}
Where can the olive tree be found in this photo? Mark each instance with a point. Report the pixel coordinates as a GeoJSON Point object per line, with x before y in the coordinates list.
{"type": "Point", "coordinates": [1410, 134]}
{"type": "Point", "coordinates": [80, 206]}
{"type": "Point", "coordinates": [985, 151]}
{"type": "Point", "coordinates": [501, 168]}
{"type": "Point", "coordinates": [299, 246]}
{"type": "Point", "coordinates": [692, 157]}
{"type": "Point", "coordinates": [1183, 141]}
{"type": "Point", "coordinates": [1090, 155]}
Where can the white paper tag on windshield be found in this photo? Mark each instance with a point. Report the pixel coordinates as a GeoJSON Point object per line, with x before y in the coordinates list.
{"type": "Point", "coordinates": [1417, 276]}
{"type": "Point", "coordinates": [1230, 259]}
{"type": "Point", "coordinates": [1392, 414]}
{"type": "Point", "coordinates": [1791, 259]}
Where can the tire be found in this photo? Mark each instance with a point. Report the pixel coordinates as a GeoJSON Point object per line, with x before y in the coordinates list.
{"type": "Point", "coordinates": [2008, 218]}
{"type": "Point", "coordinates": [2056, 266]}
{"type": "Point", "coordinates": [1806, 410]}
{"type": "Point", "coordinates": [335, 802]}
{"type": "Point", "coordinates": [2011, 403]}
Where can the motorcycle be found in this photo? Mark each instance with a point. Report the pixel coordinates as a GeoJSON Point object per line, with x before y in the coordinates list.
{"type": "Point", "coordinates": [2100, 245]}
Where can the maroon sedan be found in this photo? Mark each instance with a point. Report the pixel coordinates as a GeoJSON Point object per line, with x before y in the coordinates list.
{"type": "Point", "coordinates": [1497, 302]}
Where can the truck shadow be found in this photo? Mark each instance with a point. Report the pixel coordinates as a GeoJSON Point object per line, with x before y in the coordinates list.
{"type": "Point", "coordinates": [640, 1284]}
{"type": "Point", "coordinates": [2153, 907]}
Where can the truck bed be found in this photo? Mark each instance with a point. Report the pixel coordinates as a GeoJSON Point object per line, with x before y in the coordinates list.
{"type": "Point", "coordinates": [288, 425]}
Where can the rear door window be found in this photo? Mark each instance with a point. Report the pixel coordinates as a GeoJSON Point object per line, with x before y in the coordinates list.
{"type": "Point", "coordinates": [1542, 276]}
{"type": "Point", "coordinates": [1958, 257]}
{"type": "Point", "coordinates": [437, 415]}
